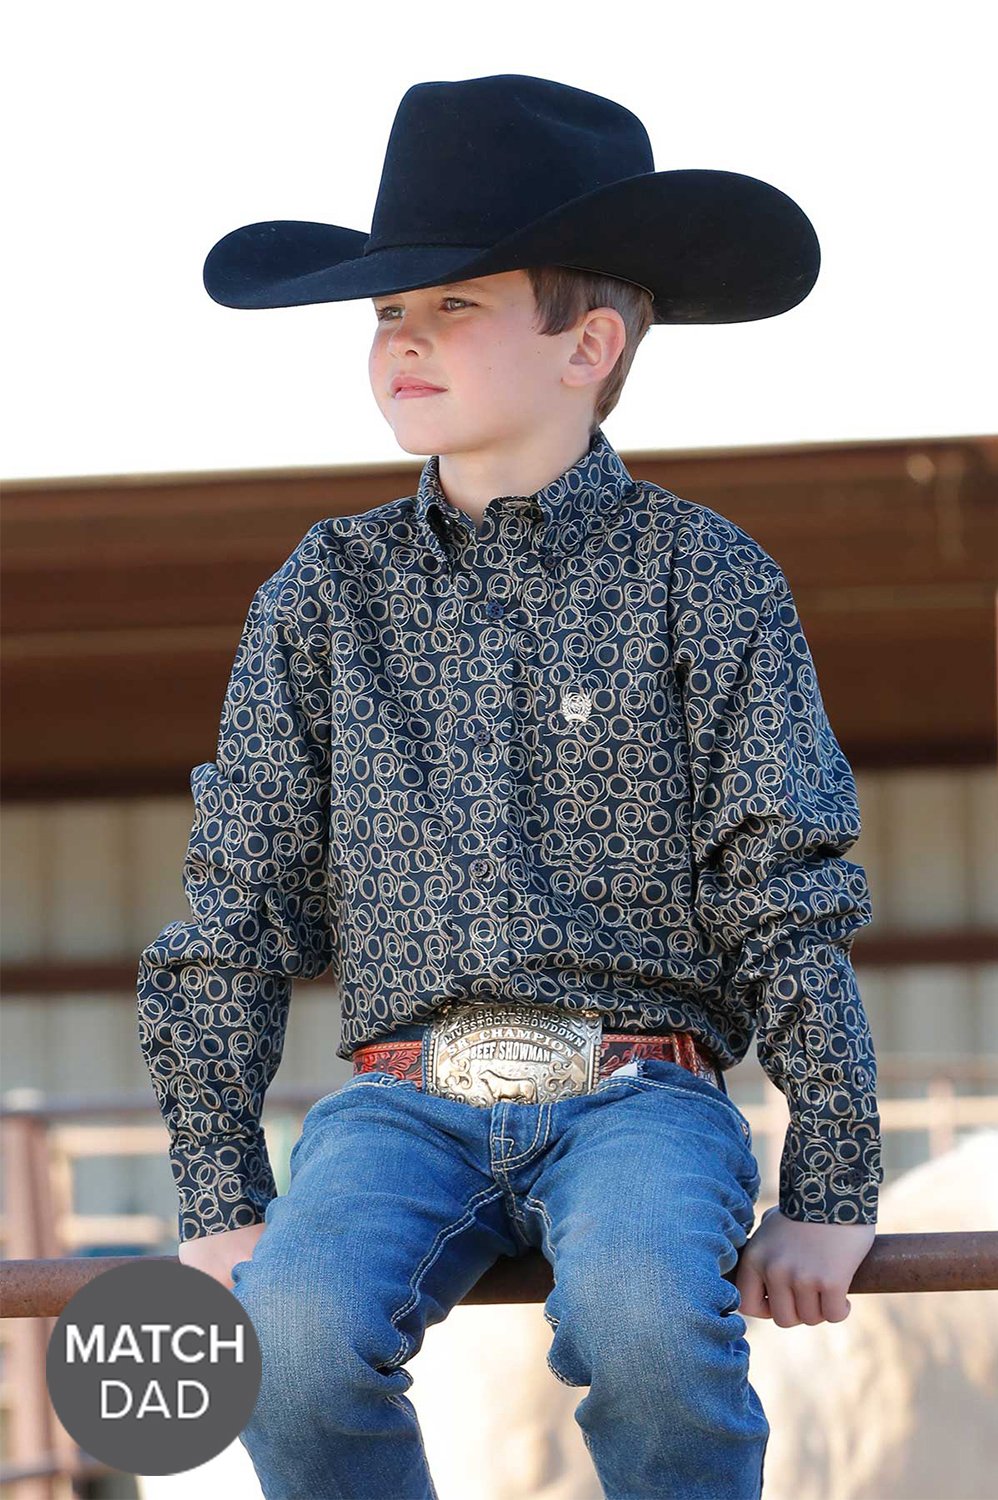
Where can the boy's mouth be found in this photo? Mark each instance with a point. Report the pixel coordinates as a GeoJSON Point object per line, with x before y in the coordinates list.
{"type": "Point", "coordinates": [413, 385]}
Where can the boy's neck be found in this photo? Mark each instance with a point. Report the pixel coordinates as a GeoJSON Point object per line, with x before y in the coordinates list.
{"type": "Point", "coordinates": [471, 480]}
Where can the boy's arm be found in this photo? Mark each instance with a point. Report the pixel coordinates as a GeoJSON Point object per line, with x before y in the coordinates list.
{"type": "Point", "coordinates": [213, 993]}
{"type": "Point", "coordinates": [774, 810]}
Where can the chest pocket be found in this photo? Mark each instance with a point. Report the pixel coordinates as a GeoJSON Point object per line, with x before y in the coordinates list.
{"type": "Point", "coordinates": [615, 802]}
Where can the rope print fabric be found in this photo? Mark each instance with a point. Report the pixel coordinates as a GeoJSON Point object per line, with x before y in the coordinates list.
{"type": "Point", "coordinates": [575, 758]}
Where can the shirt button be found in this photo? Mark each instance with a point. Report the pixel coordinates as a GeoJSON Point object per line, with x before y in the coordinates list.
{"type": "Point", "coordinates": [494, 610]}
{"type": "Point", "coordinates": [480, 868]}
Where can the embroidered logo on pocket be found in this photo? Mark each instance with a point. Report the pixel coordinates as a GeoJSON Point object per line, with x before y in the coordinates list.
{"type": "Point", "coordinates": [576, 704]}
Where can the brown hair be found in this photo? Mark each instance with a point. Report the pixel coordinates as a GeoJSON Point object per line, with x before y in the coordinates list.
{"type": "Point", "coordinates": [564, 294]}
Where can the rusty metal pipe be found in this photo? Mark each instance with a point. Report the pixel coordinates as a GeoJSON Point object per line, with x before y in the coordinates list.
{"type": "Point", "coordinates": [947, 1262]}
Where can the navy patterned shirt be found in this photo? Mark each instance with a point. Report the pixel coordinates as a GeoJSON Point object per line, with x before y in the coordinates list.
{"type": "Point", "coordinates": [575, 757]}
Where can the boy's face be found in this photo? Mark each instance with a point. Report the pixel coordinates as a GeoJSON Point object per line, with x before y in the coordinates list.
{"type": "Point", "coordinates": [501, 380]}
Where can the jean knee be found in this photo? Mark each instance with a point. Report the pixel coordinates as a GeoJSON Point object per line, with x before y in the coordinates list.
{"type": "Point", "coordinates": [310, 1342]}
{"type": "Point", "coordinates": [670, 1316]}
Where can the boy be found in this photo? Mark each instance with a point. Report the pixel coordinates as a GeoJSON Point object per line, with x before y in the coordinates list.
{"type": "Point", "coordinates": [535, 763]}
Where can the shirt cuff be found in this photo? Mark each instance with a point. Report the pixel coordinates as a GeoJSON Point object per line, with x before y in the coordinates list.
{"type": "Point", "coordinates": [224, 1182]}
{"type": "Point", "coordinates": [831, 1178]}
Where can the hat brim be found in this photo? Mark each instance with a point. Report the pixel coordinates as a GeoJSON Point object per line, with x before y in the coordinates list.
{"type": "Point", "coordinates": [710, 246]}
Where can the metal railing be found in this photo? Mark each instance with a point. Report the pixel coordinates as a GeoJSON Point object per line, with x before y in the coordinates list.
{"type": "Point", "coordinates": [961, 1261]}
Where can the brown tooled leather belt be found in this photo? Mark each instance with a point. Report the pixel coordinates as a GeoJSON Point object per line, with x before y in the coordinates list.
{"type": "Point", "coordinates": [485, 1054]}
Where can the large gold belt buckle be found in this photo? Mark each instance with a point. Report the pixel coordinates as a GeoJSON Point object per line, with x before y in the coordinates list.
{"type": "Point", "coordinates": [486, 1054]}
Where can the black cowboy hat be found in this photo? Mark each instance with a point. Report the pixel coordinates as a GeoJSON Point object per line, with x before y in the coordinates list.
{"type": "Point", "coordinates": [500, 173]}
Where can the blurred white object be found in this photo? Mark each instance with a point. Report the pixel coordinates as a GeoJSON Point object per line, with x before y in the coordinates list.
{"type": "Point", "coordinates": [231, 1473]}
{"type": "Point", "coordinates": [898, 1401]}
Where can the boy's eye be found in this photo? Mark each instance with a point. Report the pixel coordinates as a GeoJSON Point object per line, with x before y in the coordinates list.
{"type": "Point", "coordinates": [393, 307]}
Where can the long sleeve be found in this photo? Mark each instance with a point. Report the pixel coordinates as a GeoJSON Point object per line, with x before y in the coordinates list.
{"type": "Point", "coordinates": [774, 811]}
{"type": "Point", "coordinates": [213, 993]}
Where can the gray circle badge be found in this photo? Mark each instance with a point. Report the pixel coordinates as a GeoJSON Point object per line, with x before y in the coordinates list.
{"type": "Point", "coordinates": [154, 1367]}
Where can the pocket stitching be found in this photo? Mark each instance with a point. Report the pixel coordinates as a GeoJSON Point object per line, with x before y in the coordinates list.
{"type": "Point", "coordinates": [719, 1097]}
{"type": "Point", "coordinates": [381, 1079]}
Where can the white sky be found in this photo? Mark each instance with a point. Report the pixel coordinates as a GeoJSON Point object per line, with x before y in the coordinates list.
{"type": "Point", "coordinates": [138, 134]}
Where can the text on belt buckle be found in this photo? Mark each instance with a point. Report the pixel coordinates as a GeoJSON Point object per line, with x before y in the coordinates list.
{"type": "Point", "coordinates": [485, 1054]}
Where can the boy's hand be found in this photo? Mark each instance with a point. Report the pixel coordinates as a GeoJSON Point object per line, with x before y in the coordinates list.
{"type": "Point", "coordinates": [216, 1254]}
{"type": "Point", "coordinates": [805, 1270]}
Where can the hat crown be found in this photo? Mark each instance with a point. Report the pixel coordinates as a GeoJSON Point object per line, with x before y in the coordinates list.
{"type": "Point", "coordinates": [471, 162]}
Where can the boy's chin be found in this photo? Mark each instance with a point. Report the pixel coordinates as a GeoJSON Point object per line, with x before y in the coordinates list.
{"type": "Point", "coordinates": [415, 443]}
{"type": "Point", "coordinates": [420, 435]}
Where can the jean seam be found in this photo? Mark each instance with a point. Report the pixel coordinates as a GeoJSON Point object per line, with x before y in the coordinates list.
{"type": "Point", "coordinates": [551, 1322]}
{"type": "Point", "coordinates": [610, 1082]}
{"type": "Point", "coordinates": [744, 1130]}
{"type": "Point", "coordinates": [533, 1202]}
{"type": "Point", "coordinates": [502, 1168]}
{"type": "Point", "coordinates": [671, 1088]}
{"type": "Point", "coordinates": [381, 1080]}
{"type": "Point", "coordinates": [470, 1213]}
{"type": "Point", "coordinates": [543, 1118]}
{"type": "Point", "coordinates": [407, 1413]}
{"type": "Point", "coordinates": [536, 1203]}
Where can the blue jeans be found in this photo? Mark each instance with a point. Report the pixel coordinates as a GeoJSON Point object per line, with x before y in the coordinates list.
{"type": "Point", "coordinates": [640, 1195]}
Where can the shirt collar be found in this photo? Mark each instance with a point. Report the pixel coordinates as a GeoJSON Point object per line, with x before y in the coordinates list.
{"type": "Point", "coordinates": [582, 498]}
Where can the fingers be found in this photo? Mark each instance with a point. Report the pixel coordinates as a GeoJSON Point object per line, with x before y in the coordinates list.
{"type": "Point", "coordinates": [782, 1304]}
{"type": "Point", "coordinates": [751, 1289]}
{"type": "Point", "coordinates": [835, 1306]}
{"type": "Point", "coordinates": [807, 1300]}
{"type": "Point", "coordinates": [776, 1294]}
{"type": "Point", "coordinates": [797, 1272]}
